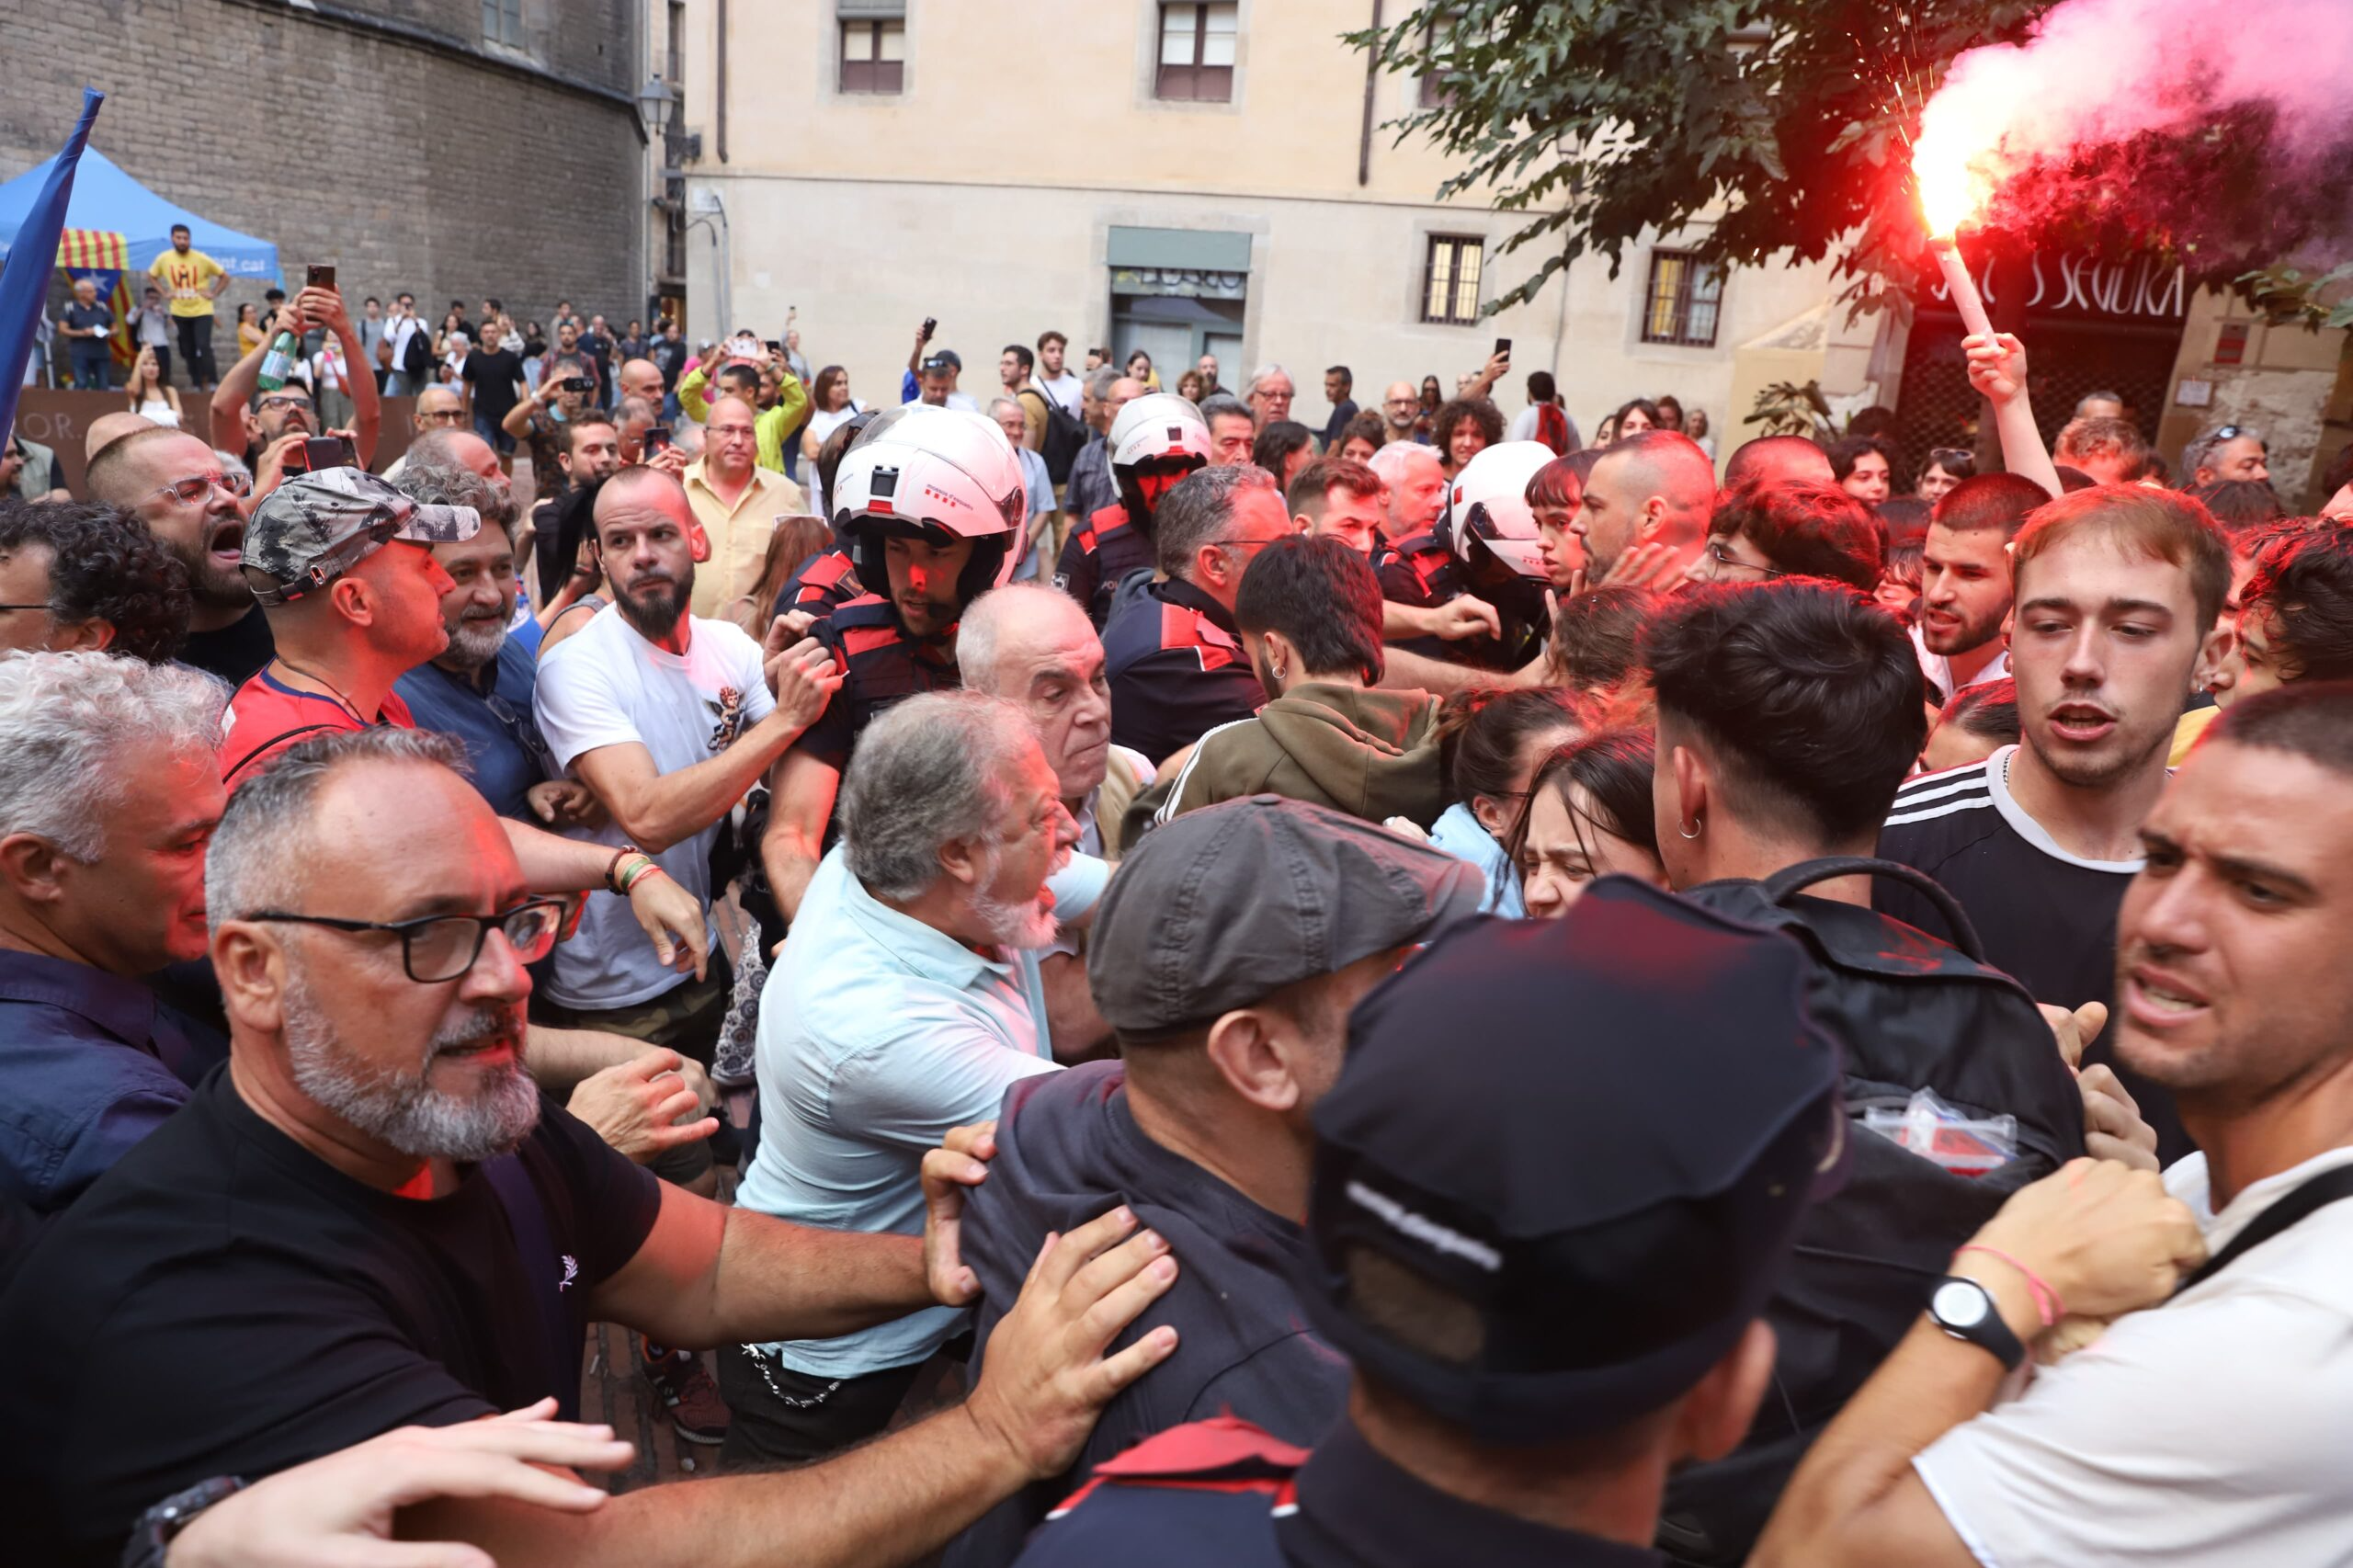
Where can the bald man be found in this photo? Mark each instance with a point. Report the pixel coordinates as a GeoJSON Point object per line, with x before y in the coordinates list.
{"type": "Point", "coordinates": [1650, 492]}
{"type": "Point", "coordinates": [1771, 458]}
{"type": "Point", "coordinates": [106, 427]}
{"type": "Point", "coordinates": [1399, 407]}
{"type": "Point", "coordinates": [640, 378]}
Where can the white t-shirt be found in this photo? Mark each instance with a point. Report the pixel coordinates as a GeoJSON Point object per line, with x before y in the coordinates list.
{"type": "Point", "coordinates": [1938, 668]}
{"type": "Point", "coordinates": [606, 686]}
{"type": "Point", "coordinates": [1066, 389]}
{"type": "Point", "coordinates": [2211, 1432]}
{"type": "Point", "coordinates": [1523, 425]}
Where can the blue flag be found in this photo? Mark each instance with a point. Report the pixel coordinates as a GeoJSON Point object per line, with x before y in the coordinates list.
{"type": "Point", "coordinates": [24, 280]}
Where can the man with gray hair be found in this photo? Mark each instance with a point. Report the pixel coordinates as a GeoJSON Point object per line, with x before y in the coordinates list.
{"type": "Point", "coordinates": [375, 1220]}
{"type": "Point", "coordinates": [1033, 646]}
{"type": "Point", "coordinates": [1269, 394]}
{"type": "Point", "coordinates": [1232, 429]}
{"type": "Point", "coordinates": [1037, 544]}
{"type": "Point", "coordinates": [1092, 485]}
{"type": "Point", "coordinates": [108, 794]}
{"type": "Point", "coordinates": [904, 1002]}
{"type": "Point", "coordinates": [1173, 652]}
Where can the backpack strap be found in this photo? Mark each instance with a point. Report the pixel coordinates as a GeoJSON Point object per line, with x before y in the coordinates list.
{"type": "Point", "coordinates": [1791, 880]}
{"type": "Point", "coordinates": [549, 1273]}
{"type": "Point", "coordinates": [2318, 1193]}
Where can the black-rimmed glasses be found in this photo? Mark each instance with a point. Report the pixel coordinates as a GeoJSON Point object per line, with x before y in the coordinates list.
{"type": "Point", "coordinates": [437, 948]}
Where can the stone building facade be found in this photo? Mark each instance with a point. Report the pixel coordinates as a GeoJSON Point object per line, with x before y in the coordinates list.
{"type": "Point", "coordinates": [454, 148]}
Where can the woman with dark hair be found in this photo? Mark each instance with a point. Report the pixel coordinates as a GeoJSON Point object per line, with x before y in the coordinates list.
{"type": "Point", "coordinates": [1139, 368]}
{"type": "Point", "coordinates": [1946, 467]}
{"type": "Point", "coordinates": [1670, 413]}
{"type": "Point", "coordinates": [1364, 435]}
{"type": "Point", "coordinates": [1282, 448]}
{"type": "Point", "coordinates": [1864, 467]}
{"type": "Point", "coordinates": [1977, 722]}
{"type": "Point", "coordinates": [1588, 815]}
{"type": "Point", "coordinates": [1464, 428]}
{"type": "Point", "coordinates": [830, 407]}
{"type": "Point", "coordinates": [1635, 416]}
{"type": "Point", "coordinates": [1490, 740]}
{"type": "Point", "coordinates": [1433, 398]}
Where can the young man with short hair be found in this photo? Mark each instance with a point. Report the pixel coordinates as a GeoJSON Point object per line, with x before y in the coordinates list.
{"type": "Point", "coordinates": [194, 281]}
{"type": "Point", "coordinates": [1965, 579]}
{"type": "Point", "coordinates": [2118, 590]}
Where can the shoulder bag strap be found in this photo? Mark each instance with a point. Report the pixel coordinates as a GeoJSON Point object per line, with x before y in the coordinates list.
{"type": "Point", "coordinates": [2318, 1193]}
{"type": "Point", "coordinates": [548, 1272]}
{"type": "Point", "coordinates": [1783, 884]}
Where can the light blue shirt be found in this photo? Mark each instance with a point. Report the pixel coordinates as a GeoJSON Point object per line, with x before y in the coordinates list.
{"type": "Point", "coordinates": [1459, 834]}
{"type": "Point", "coordinates": [877, 1035]}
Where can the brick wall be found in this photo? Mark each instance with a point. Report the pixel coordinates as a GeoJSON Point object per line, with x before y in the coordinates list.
{"type": "Point", "coordinates": [405, 166]}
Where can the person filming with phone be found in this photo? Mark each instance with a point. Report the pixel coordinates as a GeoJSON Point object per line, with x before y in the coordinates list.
{"type": "Point", "coordinates": [259, 412]}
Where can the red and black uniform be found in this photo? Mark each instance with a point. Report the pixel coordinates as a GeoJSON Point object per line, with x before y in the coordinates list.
{"type": "Point", "coordinates": [881, 666]}
{"type": "Point", "coordinates": [1176, 663]}
{"type": "Point", "coordinates": [1421, 570]}
{"type": "Point", "coordinates": [823, 587]}
{"type": "Point", "coordinates": [1097, 556]}
{"type": "Point", "coordinates": [1225, 1492]}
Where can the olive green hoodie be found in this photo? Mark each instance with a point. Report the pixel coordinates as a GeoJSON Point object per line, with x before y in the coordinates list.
{"type": "Point", "coordinates": [1370, 753]}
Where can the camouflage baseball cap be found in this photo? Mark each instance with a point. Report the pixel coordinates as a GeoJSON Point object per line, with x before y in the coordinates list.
{"type": "Point", "coordinates": [315, 526]}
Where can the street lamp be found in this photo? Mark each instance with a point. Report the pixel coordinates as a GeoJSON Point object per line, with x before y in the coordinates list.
{"type": "Point", "coordinates": [653, 101]}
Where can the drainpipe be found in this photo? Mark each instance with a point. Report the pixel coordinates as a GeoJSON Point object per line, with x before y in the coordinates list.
{"type": "Point", "coordinates": [1371, 80]}
{"type": "Point", "coordinates": [718, 97]}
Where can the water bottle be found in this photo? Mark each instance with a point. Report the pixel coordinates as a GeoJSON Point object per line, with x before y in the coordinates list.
{"type": "Point", "coordinates": [278, 363]}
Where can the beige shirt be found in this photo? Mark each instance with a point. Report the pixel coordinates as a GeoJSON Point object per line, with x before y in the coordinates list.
{"type": "Point", "coordinates": [739, 534]}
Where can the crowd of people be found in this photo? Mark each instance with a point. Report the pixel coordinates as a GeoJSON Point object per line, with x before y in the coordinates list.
{"type": "Point", "coordinates": [1098, 973]}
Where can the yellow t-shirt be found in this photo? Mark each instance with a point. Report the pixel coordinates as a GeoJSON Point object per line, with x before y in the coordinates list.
{"type": "Point", "coordinates": [2192, 725]}
{"type": "Point", "coordinates": [186, 279]}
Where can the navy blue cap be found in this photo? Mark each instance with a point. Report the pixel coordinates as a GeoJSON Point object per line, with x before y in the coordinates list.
{"type": "Point", "coordinates": [1565, 1161]}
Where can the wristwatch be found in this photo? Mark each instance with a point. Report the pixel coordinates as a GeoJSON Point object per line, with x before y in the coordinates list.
{"type": "Point", "coordinates": [152, 1536]}
{"type": "Point", "coordinates": [1966, 1310]}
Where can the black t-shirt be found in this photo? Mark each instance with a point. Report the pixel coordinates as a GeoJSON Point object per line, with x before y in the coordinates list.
{"type": "Point", "coordinates": [598, 348]}
{"type": "Point", "coordinates": [224, 1302]}
{"type": "Point", "coordinates": [2046, 917]}
{"type": "Point", "coordinates": [669, 359]}
{"type": "Point", "coordinates": [236, 653]}
{"type": "Point", "coordinates": [493, 376]}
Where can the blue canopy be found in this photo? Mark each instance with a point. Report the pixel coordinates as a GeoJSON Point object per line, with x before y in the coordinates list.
{"type": "Point", "coordinates": [107, 202]}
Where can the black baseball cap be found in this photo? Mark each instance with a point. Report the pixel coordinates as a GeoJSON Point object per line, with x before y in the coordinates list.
{"type": "Point", "coordinates": [1223, 907]}
{"type": "Point", "coordinates": [942, 363]}
{"type": "Point", "coordinates": [1584, 1145]}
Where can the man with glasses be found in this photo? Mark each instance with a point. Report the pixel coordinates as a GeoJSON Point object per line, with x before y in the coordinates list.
{"type": "Point", "coordinates": [438, 408]}
{"type": "Point", "coordinates": [375, 1219]}
{"type": "Point", "coordinates": [174, 483]}
{"type": "Point", "coordinates": [2227, 451]}
{"type": "Point", "coordinates": [735, 501]}
{"type": "Point", "coordinates": [1400, 405]}
{"type": "Point", "coordinates": [1793, 528]}
{"type": "Point", "coordinates": [1171, 646]}
{"type": "Point", "coordinates": [260, 421]}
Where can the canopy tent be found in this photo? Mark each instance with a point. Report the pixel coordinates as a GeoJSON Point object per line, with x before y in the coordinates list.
{"type": "Point", "coordinates": [113, 224]}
